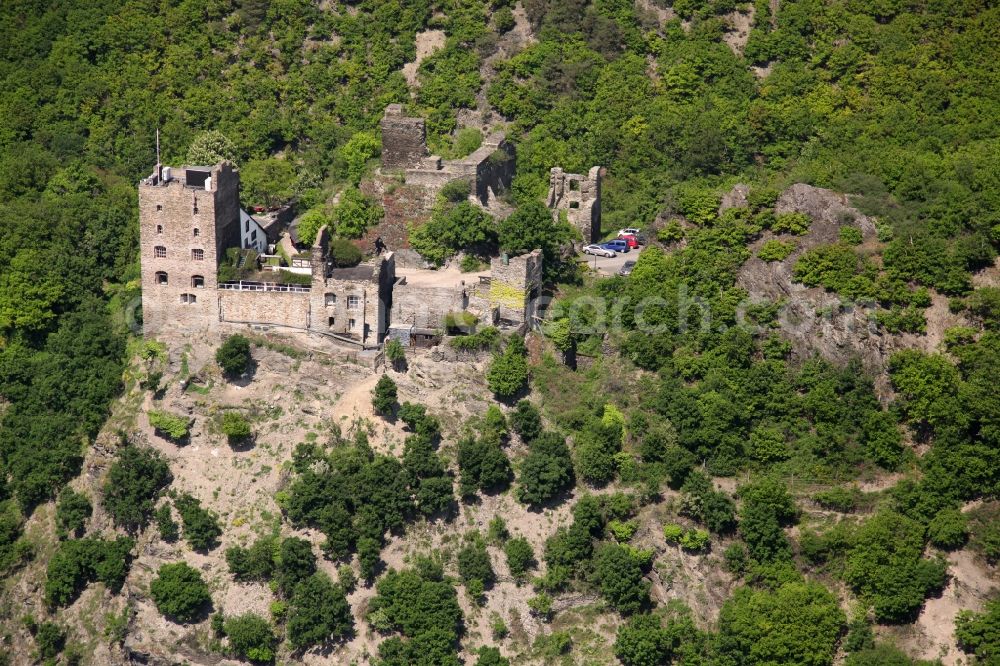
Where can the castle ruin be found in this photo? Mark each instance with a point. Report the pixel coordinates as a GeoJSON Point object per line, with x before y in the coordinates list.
{"type": "Point", "coordinates": [191, 221]}
{"type": "Point", "coordinates": [489, 170]}
{"type": "Point", "coordinates": [580, 197]}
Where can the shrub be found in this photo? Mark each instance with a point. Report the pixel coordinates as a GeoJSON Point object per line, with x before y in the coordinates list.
{"type": "Point", "coordinates": [169, 530]}
{"type": "Point", "coordinates": [172, 426]}
{"type": "Point", "coordinates": [526, 420]}
{"type": "Point", "coordinates": [253, 564]}
{"type": "Point", "coordinates": [508, 373]}
{"type": "Point", "coordinates": [344, 254]}
{"type": "Point", "coordinates": [775, 250]}
{"type": "Point", "coordinates": [520, 556]}
{"type": "Point", "coordinates": [504, 20]}
{"type": "Point", "coordinates": [72, 512]}
{"type": "Point", "coordinates": [695, 540]}
{"type": "Point", "coordinates": [251, 637]}
{"type": "Point", "coordinates": [384, 396]}
{"type": "Point", "coordinates": [622, 531]}
{"type": "Point", "coordinates": [50, 639]}
{"type": "Point", "coordinates": [179, 592]}
{"type": "Point", "coordinates": [850, 235]}
{"type": "Point", "coordinates": [673, 533]}
{"type": "Point", "coordinates": [234, 355]}
{"type": "Point", "coordinates": [948, 529]}
{"type": "Point", "coordinates": [474, 564]}
{"type": "Point", "coordinates": [541, 606]}
{"type": "Point", "coordinates": [201, 526]}
{"type": "Point", "coordinates": [485, 338]}
{"type": "Point", "coordinates": [793, 223]}
{"type": "Point", "coordinates": [235, 426]}
{"type": "Point", "coordinates": [394, 353]}
{"type": "Point", "coordinates": [134, 481]}
{"type": "Point", "coordinates": [458, 190]}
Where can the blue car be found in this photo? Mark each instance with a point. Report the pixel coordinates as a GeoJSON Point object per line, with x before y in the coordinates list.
{"type": "Point", "coordinates": [616, 245]}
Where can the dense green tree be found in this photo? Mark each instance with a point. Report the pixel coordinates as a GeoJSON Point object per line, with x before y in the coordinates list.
{"type": "Point", "coordinates": [798, 623]}
{"type": "Point", "coordinates": [886, 566]}
{"type": "Point", "coordinates": [384, 395]}
{"type": "Point", "coordinates": [269, 182]}
{"type": "Point", "coordinates": [210, 148]}
{"type": "Point", "coordinates": [474, 564]}
{"type": "Point", "coordinates": [179, 592]}
{"type": "Point", "coordinates": [978, 634]}
{"type": "Point", "coordinates": [72, 512]}
{"type": "Point", "coordinates": [483, 465]}
{"type": "Point", "coordinates": [546, 471]}
{"type": "Point", "coordinates": [201, 526]}
{"type": "Point", "coordinates": [233, 356]}
{"type": "Point", "coordinates": [134, 480]}
{"type": "Point", "coordinates": [255, 563]}
{"type": "Point", "coordinates": [620, 577]}
{"type": "Point", "coordinates": [295, 563]}
{"type": "Point", "coordinates": [520, 556]}
{"type": "Point", "coordinates": [76, 563]}
{"type": "Point", "coordinates": [318, 613]}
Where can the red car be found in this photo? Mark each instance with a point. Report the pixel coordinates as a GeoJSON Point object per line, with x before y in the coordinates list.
{"type": "Point", "coordinates": [632, 241]}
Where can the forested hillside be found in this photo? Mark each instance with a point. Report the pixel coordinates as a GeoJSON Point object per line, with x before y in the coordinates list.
{"type": "Point", "coordinates": [713, 494]}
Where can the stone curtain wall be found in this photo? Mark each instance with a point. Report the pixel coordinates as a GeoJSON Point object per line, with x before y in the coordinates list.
{"type": "Point", "coordinates": [425, 307]}
{"type": "Point", "coordinates": [265, 307]}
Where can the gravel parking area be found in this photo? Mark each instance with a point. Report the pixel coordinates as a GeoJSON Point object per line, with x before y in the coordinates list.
{"type": "Point", "coordinates": [609, 265]}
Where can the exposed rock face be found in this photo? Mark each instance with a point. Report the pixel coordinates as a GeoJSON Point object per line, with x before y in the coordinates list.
{"type": "Point", "coordinates": [814, 320]}
{"type": "Point", "coordinates": [734, 198]}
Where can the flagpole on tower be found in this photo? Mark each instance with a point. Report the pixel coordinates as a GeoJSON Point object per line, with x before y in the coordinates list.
{"type": "Point", "coordinates": [158, 167]}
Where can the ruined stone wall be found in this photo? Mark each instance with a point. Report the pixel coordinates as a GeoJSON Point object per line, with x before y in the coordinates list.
{"type": "Point", "coordinates": [580, 197]}
{"type": "Point", "coordinates": [265, 307]}
{"type": "Point", "coordinates": [493, 173]}
{"type": "Point", "coordinates": [515, 285]}
{"type": "Point", "coordinates": [176, 221]}
{"type": "Point", "coordinates": [404, 139]}
{"type": "Point", "coordinates": [425, 307]}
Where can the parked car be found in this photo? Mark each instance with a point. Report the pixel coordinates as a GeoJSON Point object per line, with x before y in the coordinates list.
{"type": "Point", "coordinates": [598, 250]}
{"type": "Point", "coordinates": [632, 241]}
{"type": "Point", "coordinates": [626, 268]}
{"type": "Point", "coordinates": [616, 245]}
{"type": "Point", "coordinates": [629, 231]}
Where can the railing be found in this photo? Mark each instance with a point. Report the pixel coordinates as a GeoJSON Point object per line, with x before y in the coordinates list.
{"type": "Point", "coordinates": [264, 286]}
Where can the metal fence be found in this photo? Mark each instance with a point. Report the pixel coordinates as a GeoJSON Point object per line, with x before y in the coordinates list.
{"type": "Point", "coordinates": [265, 286]}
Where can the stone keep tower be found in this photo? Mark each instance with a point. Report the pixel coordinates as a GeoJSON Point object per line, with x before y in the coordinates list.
{"type": "Point", "coordinates": [404, 139]}
{"type": "Point", "coordinates": [580, 197]}
{"type": "Point", "coordinates": [187, 219]}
